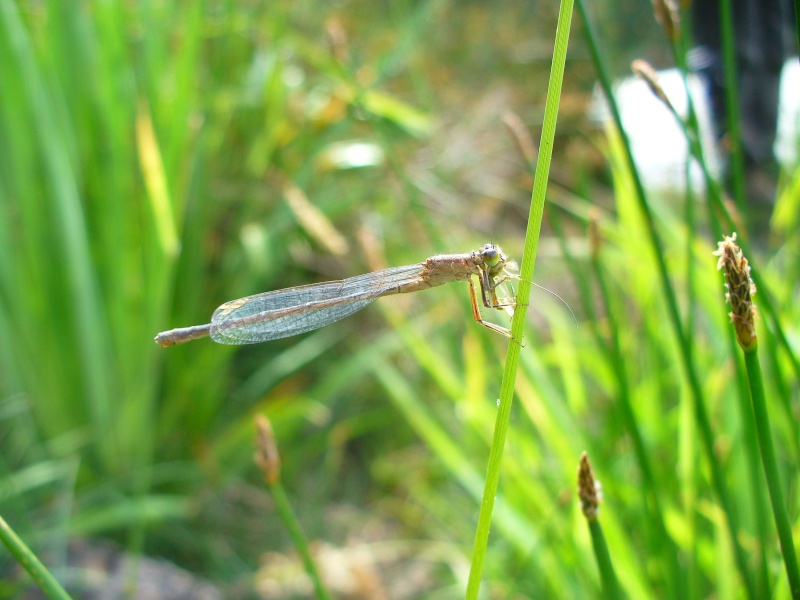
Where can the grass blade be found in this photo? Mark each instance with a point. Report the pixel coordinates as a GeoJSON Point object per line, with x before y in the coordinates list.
{"type": "Point", "coordinates": [523, 295]}
{"type": "Point", "coordinates": [31, 563]}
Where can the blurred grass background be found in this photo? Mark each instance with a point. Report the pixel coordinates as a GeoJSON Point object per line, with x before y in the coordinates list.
{"type": "Point", "coordinates": [158, 159]}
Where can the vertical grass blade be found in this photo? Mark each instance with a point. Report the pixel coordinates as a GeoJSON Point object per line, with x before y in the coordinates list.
{"type": "Point", "coordinates": [740, 291]}
{"type": "Point", "coordinates": [776, 493]}
{"type": "Point", "coordinates": [590, 495]}
{"type": "Point", "coordinates": [156, 182]}
{"type": "Point", "coordinates": [65, 208]}
{"type": "Point", "coordinates": [523, 295]}
{"type": "Point", "coordinates": [682, 337]}
{"type": "Point", "coordinates": [268, 461]}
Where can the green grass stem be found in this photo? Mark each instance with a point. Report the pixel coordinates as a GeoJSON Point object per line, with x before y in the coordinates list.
{"type": "Point", "coordinates": [523, 295]}
{"type": "Point", "coordinates": [31, 563]}
{"type": "Point", "coordinates": [776, 493]}
{"type": "Point", "coordinates": [613, 354]}
{"type": "Point", "coordinates": [608, 575]}
{"type": "Point", "coordinates": [144, 148]}
{"type": "Point", "coordinates": [690, 127]}
{"type": "Point", "coordinates": [797, 20]}
{"type": "Point", "coordinates": [268, 461]}
{"type": "Point", "coordinates": [717, 210]}
{"type": "Point", "coordinates": [666, 545]}
{"type": "Point", "coordinates": [736, 167]}
{"type": "Point", "coordinates": [290, 520]}
{"type": "Point", "coordinates": [736, 174]}
{"type": "Point", "coordinates": [589, 492]}
{"type": "Point", "coordinates": [682, 337]}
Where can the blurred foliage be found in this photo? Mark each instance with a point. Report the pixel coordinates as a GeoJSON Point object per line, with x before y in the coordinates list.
{"type": "Point", "coordinates": [158, 159]}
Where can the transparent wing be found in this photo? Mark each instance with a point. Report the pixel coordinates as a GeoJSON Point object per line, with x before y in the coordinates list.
{"type": "Point", "coordinates": [288, 312]}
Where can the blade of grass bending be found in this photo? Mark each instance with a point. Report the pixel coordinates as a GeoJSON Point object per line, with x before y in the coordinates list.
{"type": "Point", "coordinates": [721, 219]}
{"type": "Point", "coordinates": [701, 415]}
{"type": "Point", "coordinates": [523, 294]}
{"type": "Point", "coordinates": [31, 563]}
{"type": "Point", "coordinates": [691, 130]}
{"type": "Point", "coordinates": [510, 522]}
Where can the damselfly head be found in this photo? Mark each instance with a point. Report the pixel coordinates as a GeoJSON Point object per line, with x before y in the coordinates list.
{"type": "Point", "coordinates": [492, 254]}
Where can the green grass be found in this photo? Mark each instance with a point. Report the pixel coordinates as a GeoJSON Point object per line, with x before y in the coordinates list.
{"type": "Point", "coordinates": [541, 176]}
{"type": "Point", "coordinates": [145, 151]}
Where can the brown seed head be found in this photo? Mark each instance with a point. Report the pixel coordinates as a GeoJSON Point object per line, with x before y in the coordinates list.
{"type": "Point", "coordinates": [594, 233]}
{"type": "Point", "coordinates": [641, 68]}
{"type": "Point", "coordinates": [589, 489]}
{"type": "Point", "coordinates": [266, 455]}
{"type": "Point", "coordinates": [740, 291]}
{"type": "Point", "coordinates": [669, 17]}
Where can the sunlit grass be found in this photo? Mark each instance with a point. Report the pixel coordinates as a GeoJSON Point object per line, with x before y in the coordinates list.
{"type": "Point", "coordinates": [145, 157]}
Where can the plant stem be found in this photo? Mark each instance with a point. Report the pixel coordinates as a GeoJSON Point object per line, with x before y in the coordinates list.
{"type": "Point", "coordinates": [284, 507]}
{"type": "Point", "coordinates": [523, 295]}
{"type": "Point", "coordinates": [268, 461]}
{"type": "Point", "coordinates": [779, 512]}
{"type": "Point", "coordinates": [607, 574]}
{"type": "Point", "coordinates": [736, 168]}
{"type": "Point", "coordinates": [30, 562]}
{"type": "Point", "coordinates": [701, 416]}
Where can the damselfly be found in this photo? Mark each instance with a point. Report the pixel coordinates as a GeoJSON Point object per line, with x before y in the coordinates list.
{"type": "Point", "coordinates": [288, 312]}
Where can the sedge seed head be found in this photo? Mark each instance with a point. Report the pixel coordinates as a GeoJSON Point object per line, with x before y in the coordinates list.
{"type": "Point", "coordinates": [740, 292]}
{"type": "Point", "coordinates": [595, 236]}
{"type": "Point", "coordinates": [669, 17]}
{"type": "Point", "coordinates": [589, 489]}
{"type": "Point", "coordinates": [643, 70]}
{"type": "Point", "coordinates": [266, 455]}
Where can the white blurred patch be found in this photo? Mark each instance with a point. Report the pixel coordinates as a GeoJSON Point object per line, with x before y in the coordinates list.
{"type": "Point", "coordinates": [351, 154]}
{"type": "Point", "coordinates": [659, 146]}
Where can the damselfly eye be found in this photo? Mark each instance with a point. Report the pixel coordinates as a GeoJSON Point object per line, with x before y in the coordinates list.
{"type": "Point", "coordinates": [489, 251]}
